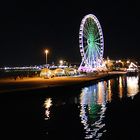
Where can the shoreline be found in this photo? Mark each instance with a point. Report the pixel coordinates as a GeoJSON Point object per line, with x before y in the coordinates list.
{"type": "Point", "coordinates": [38, 83]}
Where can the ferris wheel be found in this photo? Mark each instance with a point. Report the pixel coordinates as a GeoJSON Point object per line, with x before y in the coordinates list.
{"type": "Point", "coordinates": [91, 43]}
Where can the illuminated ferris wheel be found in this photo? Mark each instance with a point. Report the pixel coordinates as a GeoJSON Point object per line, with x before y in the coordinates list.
{"type": "Point", "coordinates": [91, 43]}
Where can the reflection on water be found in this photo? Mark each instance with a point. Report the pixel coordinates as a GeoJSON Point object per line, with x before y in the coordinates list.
{"type": "Point", "coordinates": [47, 105]}
{"type": "Point", "coordinates": [92, 101]}
{"type": "Point", "coordinates": [93, 112]}
{"type": "Point", "coordinates": [132, 86]}
{"type": "Point", "coordinates": [120, 87]}
{"type": "Point", "coordinates": [109, 90]}
{"type": "Point", "coordinates": [93, 105]}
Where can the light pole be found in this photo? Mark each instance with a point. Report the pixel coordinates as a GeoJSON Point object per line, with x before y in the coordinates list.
{"type": "Point", "coordinates": [46, 52]}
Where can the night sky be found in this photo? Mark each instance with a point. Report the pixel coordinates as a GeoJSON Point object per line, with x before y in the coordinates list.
{"type": "Point", "coordinates": [28, 27]}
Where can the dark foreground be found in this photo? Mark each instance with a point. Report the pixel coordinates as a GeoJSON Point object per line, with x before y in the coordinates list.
{"type": "Point", "coordinates": [106, 110]}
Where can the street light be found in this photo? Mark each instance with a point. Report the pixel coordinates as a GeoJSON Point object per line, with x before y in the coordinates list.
{"type": "Point", "coordinates": [61, 62]}
{"type": "Point", "coordinates": [46, 52]}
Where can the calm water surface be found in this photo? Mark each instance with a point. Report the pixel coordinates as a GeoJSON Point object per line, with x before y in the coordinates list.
{"type": "Point", "coordinates": [106, 110]}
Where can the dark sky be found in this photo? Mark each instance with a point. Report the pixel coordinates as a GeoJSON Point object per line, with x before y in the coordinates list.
{"type": "Point", "coordinates": [28, 27]}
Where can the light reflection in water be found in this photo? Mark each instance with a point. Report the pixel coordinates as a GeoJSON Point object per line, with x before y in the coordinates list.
{"type": "Point", "coordinates": [93, 101]}
{"type": "Point", "coordinates": [109, 90]}
{"type": "Point", "coordinates": [132, 86]}
{"type": "Point", "coordinates": [93, 105]}
{"type": "Point", "coordinates": [47, 105]}
{"type": "Point", "coordinates": [120, 87]}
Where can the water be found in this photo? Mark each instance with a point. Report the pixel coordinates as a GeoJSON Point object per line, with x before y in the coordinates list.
{"type": "Point", "coordinates": [106, 110]}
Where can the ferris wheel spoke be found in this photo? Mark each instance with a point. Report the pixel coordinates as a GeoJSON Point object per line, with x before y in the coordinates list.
{"type": "Point", "coordinates": [95, 28]}
{"type": "Point", "coordinates": [86, 35]}
{"type": "Point", "coordinates": [95, 31]}
{"type": "Point", "coordinates": [96, 35]}
{"type": "Point", "coordinates": [97, 43]}
{"type": "Point", "coordinates": [86, 32]}
{"type": "Point", "coordinates": [86, 47]}
{"type": "Point", "coordinates": [96, 39]}
{"type": "Point", "coordinates": [89, 23]}
{"type": "Point", "coordinates": [86, 54]}
{"type": "Point", "coordinates": [89, 27]}
{"type": "Point", "coordinates": [97, 53]}
{"type": "Point", "coordinates": [98, 49]}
